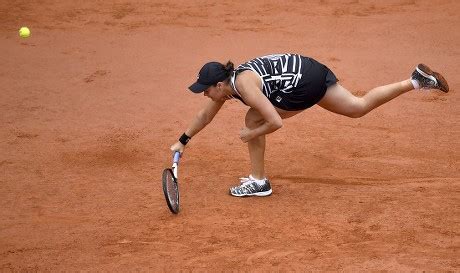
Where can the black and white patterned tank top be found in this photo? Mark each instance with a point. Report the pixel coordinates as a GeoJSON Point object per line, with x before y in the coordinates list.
{"type": "Point", "coordinates": [278, 72]}
{"type": "Point", "coordinates": [289, 81]}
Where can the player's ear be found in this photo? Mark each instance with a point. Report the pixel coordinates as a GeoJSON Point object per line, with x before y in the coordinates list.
{"type": "Point", "coordinates": [220, 85]}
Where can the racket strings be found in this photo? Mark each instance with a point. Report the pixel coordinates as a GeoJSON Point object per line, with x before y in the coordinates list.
{"type": "Point", "coordinates": [171, 190]}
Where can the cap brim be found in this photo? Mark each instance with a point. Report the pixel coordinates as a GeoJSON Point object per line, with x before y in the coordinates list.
{"type": "Point", "coordinates": [198, 87]}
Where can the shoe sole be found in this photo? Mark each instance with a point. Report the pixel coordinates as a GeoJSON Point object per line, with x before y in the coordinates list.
{"type": "Point", "coordinates": [427, 72]}
{"type": "Point", "coordinates": [258, 194]}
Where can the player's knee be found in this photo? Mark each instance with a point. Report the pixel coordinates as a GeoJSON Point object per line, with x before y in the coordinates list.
{"type": "Point", "coordinates": [358, 109]}
{"type": "Point", "coordinates": [357, 114]}
{"type": "Point", "coordinates": [253, 119]}
{"type": "Point", "coordinates": [253, 123]}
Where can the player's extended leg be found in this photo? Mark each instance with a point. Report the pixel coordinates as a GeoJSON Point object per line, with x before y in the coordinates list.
{"type": "Point", "coordinates": [339, 100]}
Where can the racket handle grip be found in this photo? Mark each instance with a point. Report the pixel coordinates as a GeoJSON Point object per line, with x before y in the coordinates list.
{"type": "Point", "coordinates": [176, 157]}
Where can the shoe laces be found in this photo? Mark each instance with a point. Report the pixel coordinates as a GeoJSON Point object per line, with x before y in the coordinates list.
{"type": "Point", "coordinates": [244, 181]}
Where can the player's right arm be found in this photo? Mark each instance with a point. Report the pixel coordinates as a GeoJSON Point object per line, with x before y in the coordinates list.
{"type": "Point", "coordinates": [203, 118]}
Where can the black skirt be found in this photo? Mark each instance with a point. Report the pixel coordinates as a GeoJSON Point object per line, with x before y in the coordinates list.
{"type": "Point", "coordinates": [316, 78]}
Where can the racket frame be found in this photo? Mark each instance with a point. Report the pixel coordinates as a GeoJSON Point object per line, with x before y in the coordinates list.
{"type": "Point", "coordinates": [173, 171]}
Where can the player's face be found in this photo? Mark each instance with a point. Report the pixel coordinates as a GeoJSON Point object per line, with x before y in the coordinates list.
{"type": "Point", "coordinates": [216, 93]}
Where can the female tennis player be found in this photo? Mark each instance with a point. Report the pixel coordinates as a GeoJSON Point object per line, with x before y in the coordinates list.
{"type": "Point", "coordinates": [276, 87]}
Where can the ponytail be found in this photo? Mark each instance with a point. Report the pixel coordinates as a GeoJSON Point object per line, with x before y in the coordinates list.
{"type": "Point", "coordinates": [228, 67]}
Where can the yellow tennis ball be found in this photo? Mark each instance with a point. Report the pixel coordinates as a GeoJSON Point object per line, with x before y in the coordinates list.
{"type": "Point", "coordinates": [24, 32]}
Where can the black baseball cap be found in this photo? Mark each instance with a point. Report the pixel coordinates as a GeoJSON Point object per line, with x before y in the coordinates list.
{"type": "Point", "coordinates": [210, 74]}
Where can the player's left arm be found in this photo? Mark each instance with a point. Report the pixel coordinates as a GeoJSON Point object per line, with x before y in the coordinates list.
{"type": "Point", "coordinates": [247, 84]}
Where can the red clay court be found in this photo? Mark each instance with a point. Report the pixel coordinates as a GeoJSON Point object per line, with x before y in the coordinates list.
{"type": "Point", "coordinates": [92, 101]}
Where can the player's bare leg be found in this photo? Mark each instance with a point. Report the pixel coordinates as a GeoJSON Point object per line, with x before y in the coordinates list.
{"type": "Point", "coordinates": [256, 184]}
{"type": "Point", "coordinates": [256, 146]}
{"type": "Point", "coordinates": [341, 101]}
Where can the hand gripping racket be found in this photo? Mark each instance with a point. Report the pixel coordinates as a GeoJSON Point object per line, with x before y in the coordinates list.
{"type": "Point", "coordinates": [171, 186]}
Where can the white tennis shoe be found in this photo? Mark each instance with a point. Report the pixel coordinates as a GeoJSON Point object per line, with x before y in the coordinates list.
{"type": "Point", "coordinates": [251, 187]}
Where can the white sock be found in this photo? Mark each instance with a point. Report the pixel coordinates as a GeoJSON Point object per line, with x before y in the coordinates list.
{"type": "Point", "coordinates": [415, 84]}
{"type": "Point", "coordinates": [259, 181]}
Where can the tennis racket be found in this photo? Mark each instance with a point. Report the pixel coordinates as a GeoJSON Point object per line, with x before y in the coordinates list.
{"type": "Point", "coordinates": [171, 185]}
